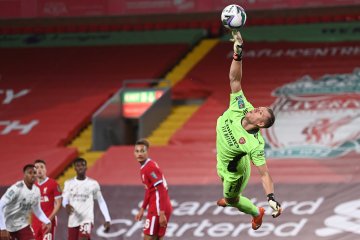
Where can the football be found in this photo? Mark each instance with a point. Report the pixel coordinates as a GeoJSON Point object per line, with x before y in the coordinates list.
{"type": "Point", "coordinates": [233, 17]}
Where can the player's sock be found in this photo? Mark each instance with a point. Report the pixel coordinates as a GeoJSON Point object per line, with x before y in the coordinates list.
{"type": "Point", "coordinates": [246, 206]}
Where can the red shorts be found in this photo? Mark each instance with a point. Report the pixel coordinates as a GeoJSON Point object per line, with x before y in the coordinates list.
{"type": "Point", "coordinates": [81, 232]}
{"type": "Point", "coordinates": [39, 231]}
{"type": "Point", "coordinates": [152, 226]}
{"type": "Point", "coordinates": [23, 234]}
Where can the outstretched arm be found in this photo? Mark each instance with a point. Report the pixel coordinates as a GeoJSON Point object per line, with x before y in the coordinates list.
{"type": "Point", "coordinates": [235, 74]}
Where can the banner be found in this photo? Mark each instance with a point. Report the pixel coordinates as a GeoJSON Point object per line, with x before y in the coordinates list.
{"type": "Point", "coordinates": [83, 8]}
{"type": "Point", "coordinates": [313, 211]}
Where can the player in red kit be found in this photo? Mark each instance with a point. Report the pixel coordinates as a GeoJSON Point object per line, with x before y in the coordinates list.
{"type": "Point", "coordinates": [50, 201]}
{"type": "Point", "coordinates": [156, 194]}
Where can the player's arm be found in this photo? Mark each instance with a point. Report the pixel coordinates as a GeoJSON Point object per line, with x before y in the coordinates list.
{"type": "Point", "coordinates": [266, 179]}
{"type": "Point", "coordinates": [2, 217]}
{"type": "Point", "coordinates": [57, 202]}
{"type": "Point", "coordinates": [57, 206]}
{"type": "Point", "coordinates": [235, 74]}
{"type": "Point", "coordinates": [104, 209]}
{"type": "Point", "coordinates": [4, 234]}
{"type": "Point", "coordinates": [144, 205]}
{"type": "Point", "coordinates": [268, 186]}
{"type": "Point", "coordinates": [41, 216]}
{"type": "Point", "coordinates": [65, 199]}
{"type": "Point", "coordinates": [10, 195]}
{"type": "Point", "coordinates": [162, 195]}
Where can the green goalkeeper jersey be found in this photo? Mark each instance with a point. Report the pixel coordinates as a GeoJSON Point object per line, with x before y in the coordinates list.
{"type": "Point", "coordinates": [235, 146]}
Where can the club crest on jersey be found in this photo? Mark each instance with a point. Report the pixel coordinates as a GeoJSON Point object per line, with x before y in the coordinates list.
{"type": "Point", "coordinates": [324, 114]}
{"type": "Point", "coordinates": [242, 140]}
{"type": "Point", "coordinates": [240, 102]}
{"type": "Point", "coordinates": [153, 175]}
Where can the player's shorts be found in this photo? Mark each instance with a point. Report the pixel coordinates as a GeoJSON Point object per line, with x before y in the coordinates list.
{"type": "Point", "coordinates": [39, 231]}
{"type": "Point", "coordinates": [152, 225]}
{"type": "Point", "coordinates": [233, 184]}
{"type": "Point", "coordinates": [81, 232]}
{"type": "Point", "coordinates": [23, 234]}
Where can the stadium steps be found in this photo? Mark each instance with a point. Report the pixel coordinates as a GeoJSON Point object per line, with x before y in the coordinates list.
{"type": "Point", "coordinates": [83, 144]}
{"type": "Point", "coordinates": [83, 141]}
{"type": "Point", "coordinates": [190, 60]}
{"type": "Point", "coordinates": [181, 113]}
{"type": "Point", "coordinates": [177, 118]}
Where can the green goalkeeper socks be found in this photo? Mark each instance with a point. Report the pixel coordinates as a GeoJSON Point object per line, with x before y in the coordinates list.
{"type": "Point", "coordinates": [246, 206]}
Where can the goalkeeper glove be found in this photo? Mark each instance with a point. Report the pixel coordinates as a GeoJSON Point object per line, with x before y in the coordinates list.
{"type": "Point", "coordinates": [238, 45]}
{"type": "Point", "coordinates": [276, 207]}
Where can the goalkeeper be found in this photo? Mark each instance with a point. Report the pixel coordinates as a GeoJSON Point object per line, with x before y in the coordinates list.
{"type": "Point", "coordinates": [239, 142]}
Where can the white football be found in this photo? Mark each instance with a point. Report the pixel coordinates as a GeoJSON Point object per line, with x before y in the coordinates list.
{"type": "Point", "coordinates": [233, 17]}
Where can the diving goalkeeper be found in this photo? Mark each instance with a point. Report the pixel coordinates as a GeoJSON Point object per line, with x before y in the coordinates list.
{"type": "Point", "coordinates": [239, 142]}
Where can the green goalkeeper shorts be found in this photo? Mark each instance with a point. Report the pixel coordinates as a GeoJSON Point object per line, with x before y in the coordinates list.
{"type": "Point", "coordinates": [233, 185]}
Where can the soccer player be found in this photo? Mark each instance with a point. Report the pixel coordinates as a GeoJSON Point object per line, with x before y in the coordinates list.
{"type": "Point", "coordinates": [50, 201]}
{"type": "Point", "coordinates": [78, 199]}
{"type": "Point", "coordinates": [156, 194]}
{"type": "Point", "coordinates": [239, 142]}
{"type": "Point", "coordinates": [16, 205]}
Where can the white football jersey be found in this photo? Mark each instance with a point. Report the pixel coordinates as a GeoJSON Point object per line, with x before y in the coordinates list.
{"type": "Point", "coordinates": [19, 200]}
{"type": "Point", "coordinates": [81, 195]}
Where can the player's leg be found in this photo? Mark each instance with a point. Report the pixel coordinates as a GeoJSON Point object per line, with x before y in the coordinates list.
{"type": "Point", "coordinates": [232, 197]}
{"type": "Point", "coordinates": [232, 190]}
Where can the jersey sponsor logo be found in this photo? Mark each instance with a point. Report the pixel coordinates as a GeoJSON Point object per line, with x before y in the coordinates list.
{"type": "Point", "coordinates": [229, 137]}
{"type": "Point", "coordinates": [242, 140]}
{"type": "Point", "coordinates": [326, 113]}
{"type": "Point", "coordinates": [240, 102]}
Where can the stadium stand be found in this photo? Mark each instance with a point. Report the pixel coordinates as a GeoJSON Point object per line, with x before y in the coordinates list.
{"type": "Point", "coordinates": [58, 100]}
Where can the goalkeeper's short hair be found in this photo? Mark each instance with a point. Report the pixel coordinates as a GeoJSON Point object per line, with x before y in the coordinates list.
{"type": "Point", "coordinates": [269, 121]}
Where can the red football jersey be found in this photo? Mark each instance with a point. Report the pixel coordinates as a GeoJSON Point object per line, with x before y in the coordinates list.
{"type": "Point", "coordinates": [157, 198]}
{"type": "Point", "coordinates": [49, 190]}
